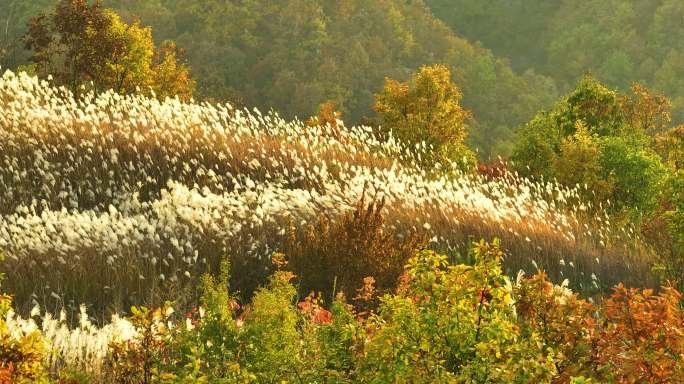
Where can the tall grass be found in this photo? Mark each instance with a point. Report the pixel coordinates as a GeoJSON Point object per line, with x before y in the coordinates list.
{"type": "Point", "coordinates": [115, 200]}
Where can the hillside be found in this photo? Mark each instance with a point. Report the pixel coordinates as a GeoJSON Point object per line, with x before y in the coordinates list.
{"type": "Point", "coordinates": [147, 194]}
{"type": "Point", "coordinates": [114, 202]}
{"type": "Point", "coordinates": [617, 41]}
{"type": "Point", "coordinates": [341, 191]}
{"type": "Point", "coordinates": [295, 55]}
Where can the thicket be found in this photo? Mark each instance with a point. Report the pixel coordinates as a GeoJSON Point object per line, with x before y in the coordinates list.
{"type": "Point", "coordinates": [624, 150]}
{"type": "Point", "coordinates": [597, 137]}
{"type": "Point", "coordinates": [444, 323]}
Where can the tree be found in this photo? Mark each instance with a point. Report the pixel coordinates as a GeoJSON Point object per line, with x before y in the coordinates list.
{"type": "Point", "coordinates": [579, 164]}
{"type": "Point", "coordinates": [617, 40]}
{"type": "Point", "coordinates": [427, 109]}
{"type": "Point", "coordinates": [597, 137]}
{"type": "Point", "coordinates": [594, 104]}
{"type": "Point", "coordinates": [664, 229]}
{"type": "Point", "coordinates": [645, 111]}
{"type": "Point", "coordinates": [81, 44]}
{"type": "Point", "coordinates": [636, 171]}
{"type": "Point", "coordinates": [670, 145]}
{"type": "Point", "coordinates": [590, 105]}
{"type": "Point", "coordinates": [169, 75]}
{"type": "Point", "coordinates": [14, 14]}
{"type": "Point", "coordinates": [328, 117]}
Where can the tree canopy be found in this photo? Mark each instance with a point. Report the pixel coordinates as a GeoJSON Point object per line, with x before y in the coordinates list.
{"type": "Point", "coordinates": [426, 109]}
{"type": "Point", "coordinates": [79, 44]}
{"type": "Point", "coordinates": [597, 138]}
{"type": "Point", "coordinates": [616, 41]}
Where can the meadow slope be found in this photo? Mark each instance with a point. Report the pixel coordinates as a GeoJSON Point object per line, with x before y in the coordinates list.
{"type": "Point", "coordinates": [118, 200]}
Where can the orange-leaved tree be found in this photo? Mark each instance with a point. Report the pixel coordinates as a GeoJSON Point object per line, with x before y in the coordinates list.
{"type": "Point", "coordinates": [642, 337]}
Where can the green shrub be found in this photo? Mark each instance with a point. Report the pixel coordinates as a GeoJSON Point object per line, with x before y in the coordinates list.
{"type": "Point", "coordinates": [453, 324]}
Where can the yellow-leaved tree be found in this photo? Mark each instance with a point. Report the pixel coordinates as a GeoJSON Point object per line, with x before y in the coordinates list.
{"type": "Point", "coordinates": [83, 45]}
{"type": "Point", "coordinates": [427, 109]}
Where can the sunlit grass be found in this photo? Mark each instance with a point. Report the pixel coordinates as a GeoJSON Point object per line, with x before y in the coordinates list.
{"type": "Point", "coordinates": [113, 201]}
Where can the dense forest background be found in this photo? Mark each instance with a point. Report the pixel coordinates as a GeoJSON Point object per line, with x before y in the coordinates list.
{"type": "Point", "coordinates": [510, 58]}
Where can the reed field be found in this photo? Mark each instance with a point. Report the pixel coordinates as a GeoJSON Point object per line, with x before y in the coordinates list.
{"type": "Point", "coordinates": [111, 201]}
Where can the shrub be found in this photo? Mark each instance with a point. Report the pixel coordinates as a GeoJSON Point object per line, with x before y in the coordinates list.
{"type": "Point", "coordinates": [337, 256]}
{"type": "Point", "coordinates": [641, 339]}
{"type": "Point", "coordinates": [452, 324]}
{"type": "Point", "coordinates": [21, 358]}
{"type": "Point", "coordinates": [564, 323]}
{"type": "Point", "coordinates": [443, 324]}
{"type": "Point", "coordinates": [140, 360]}
{"type": "Point", "coordinates": [22, 354]}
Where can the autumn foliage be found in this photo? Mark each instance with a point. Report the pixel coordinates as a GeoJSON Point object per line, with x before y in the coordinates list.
{"type": "Point", "coordinates": [427, 110]}
{"type": "Point", "coordinates": [443, 324]}
{"type": "Point", "coordinates": [81, 45]}
{"type": "Point", "coordinates": [642, 337]}
{"type": "Point", "coordinates": [331, 257]}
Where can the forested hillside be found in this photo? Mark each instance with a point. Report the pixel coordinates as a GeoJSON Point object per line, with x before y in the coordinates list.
{"type": "Point", "coordinates": [294, 55]}
{"type": "Point", "coordinates": [617, 41]}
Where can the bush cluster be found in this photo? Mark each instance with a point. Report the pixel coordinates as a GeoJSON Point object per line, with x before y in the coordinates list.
{"type": "Point", "coordinates": [444, 323]}
{"type": "Point", "coordinates": [335, 256]}
{"type": "Point", "coordinates": [22, 354]}
{"type": "Point", "coordinates": [598, 138]}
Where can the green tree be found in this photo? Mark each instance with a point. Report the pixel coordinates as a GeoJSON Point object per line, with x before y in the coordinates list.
{"type": "Point", "coordinates": [590, 105]}
{"type": "Point", "coordinates": [636, 171]}
{"type": "Point", "coordinates": [597, 137]}
{"type": "Point", "coordinates": [578, 163]}
{"type": "Point", "coordinates": [427, 109]}
{"type": "Point", "coordinates": [619, 41]}
{"type": "Point", "coordinates": [665, 230]}
{"type": "Point", "coordinates": [81, 43]}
